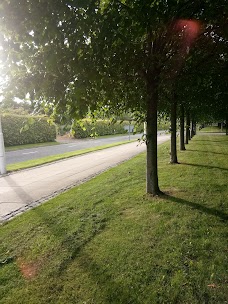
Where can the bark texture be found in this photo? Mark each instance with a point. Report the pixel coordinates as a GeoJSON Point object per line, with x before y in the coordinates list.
{"type": "Point", "coordinates": [187, 135]}
{"type": "Point", "coordinates": [152, 165]}
{"type": "Point", "coordinates": [192, 128]}
{"type": "Point", "coordinates": [226, 126]}
{"type": "Point", "coordinates": [182, 145]}
{"type": "Point", "coordinates": [173, 145]}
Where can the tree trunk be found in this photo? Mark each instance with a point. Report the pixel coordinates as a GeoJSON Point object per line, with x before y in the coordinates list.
{"type": "Point", "coordinates": [192, 133]}
{"type": "Point", "coordinates": [226, 126]}
{"type": "Point", "coordinates": [194, 127]}
{"type": "Point", "coordinates": [173, 145]}
{"type": "Point", "coordinates": [187, 135]}
{"type": "Point", "coordinates": [151, 140]}
{"type": "Point", "coordinates": [2, 151]}
{"type": "Point", "coordinates": [182, 146]}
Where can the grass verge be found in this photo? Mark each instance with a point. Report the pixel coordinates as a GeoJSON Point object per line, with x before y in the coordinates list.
{"type": "Point", "coordinates": [48, 159]}
{"type": "Point", "coordinates": [105, 241]}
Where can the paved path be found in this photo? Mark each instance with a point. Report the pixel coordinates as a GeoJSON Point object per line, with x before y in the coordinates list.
{"type": "Point", "coordinates": [21, 191]}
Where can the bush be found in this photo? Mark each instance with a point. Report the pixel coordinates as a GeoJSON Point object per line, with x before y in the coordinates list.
{"type": "Point", "coordinates": [99, 128]}
{"type": "Point", "coordinates": [103, 127]}
{"type": "Point", "coordinates": [21, 130]}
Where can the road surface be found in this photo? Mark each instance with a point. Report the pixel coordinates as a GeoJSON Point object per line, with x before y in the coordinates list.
{"type": "Point", "coordinates": [25, 189]}
{"type": "Point", "coordinates": [17, 156]}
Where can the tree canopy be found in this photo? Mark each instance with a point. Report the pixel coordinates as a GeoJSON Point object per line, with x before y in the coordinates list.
{"type": "Point", "coordinates": [77, 55]}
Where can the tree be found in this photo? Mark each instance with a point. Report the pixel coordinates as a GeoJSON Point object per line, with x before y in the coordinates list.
{"type": "Point", "coordinates": [2, 151]}
{"type": "Point", "coordinates": [93, 54]}
{"type": "Point", "coordinates": [182, 145]}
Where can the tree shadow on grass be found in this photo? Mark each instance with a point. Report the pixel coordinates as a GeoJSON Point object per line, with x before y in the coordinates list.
{"type": "Point", "coordinates": [90, 225]}
{"type": "Point", "coordinates": [73, 244]}
{"type": "Point", "coordinates": [210, 211]}
{"type": "Point", "coordinates": [23, 203]}
{"type": "Point", "coordinates": [113, 290]}
{"type": "Point", "coordinates": [204, 166]}
{"type": "Point", "coordinates": [209, 141]}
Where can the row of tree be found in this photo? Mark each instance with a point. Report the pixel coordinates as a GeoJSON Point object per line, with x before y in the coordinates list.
{"type": "Point", "coordinates": [120, 55]}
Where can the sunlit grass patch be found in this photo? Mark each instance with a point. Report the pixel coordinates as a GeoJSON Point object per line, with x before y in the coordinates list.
{"type": "Point", "coordinates": [106, 241]}
{"type": "Point", "coordinates": [213, 129]}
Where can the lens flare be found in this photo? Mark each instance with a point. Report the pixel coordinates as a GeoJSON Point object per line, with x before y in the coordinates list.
{"type": "Point", "coordinates": [188, 30]}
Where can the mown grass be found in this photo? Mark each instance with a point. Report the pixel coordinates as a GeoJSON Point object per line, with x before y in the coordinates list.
{"type": "Point", "coordinates": [213, 129]}
{"type": "Point", "coordinates": [105, 241]}
{"type": "Point", "coordinates": [52, 158]}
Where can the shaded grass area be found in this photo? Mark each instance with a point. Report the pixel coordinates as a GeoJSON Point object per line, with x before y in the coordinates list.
{"type": "Point", "coordinates": [213, 129]}
{"type": "Point", "coordinates": [30, 146]}
{"type": "Point", "coordinates": [107, 242]}
{"type": "Point", "coordinates": [52, 158]}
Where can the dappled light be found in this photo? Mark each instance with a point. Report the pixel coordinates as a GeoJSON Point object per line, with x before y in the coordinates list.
{"type": "Point", "coordinates": [113, 222]}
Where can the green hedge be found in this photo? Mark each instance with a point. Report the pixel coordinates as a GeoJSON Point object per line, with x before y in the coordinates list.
{"type": "Point", "coordinates": [21, 130]}
{"type": "Point", "coordinates": [102, 127]}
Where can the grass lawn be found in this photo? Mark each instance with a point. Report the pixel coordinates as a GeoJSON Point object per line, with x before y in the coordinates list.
{"type": "Point", "coordinates": [213, 129]}
{"type": "Point", "coordinates": [105, 241]}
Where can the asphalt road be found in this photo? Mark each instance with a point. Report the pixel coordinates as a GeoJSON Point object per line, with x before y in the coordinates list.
{"type": "Point", "coordinates": [25, 189]}
{"type": "Point", "coordinates": [17, 156]}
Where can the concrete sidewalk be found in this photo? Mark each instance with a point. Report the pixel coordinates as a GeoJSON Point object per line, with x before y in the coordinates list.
{"type": "Point", "coordinates": [23, 190]}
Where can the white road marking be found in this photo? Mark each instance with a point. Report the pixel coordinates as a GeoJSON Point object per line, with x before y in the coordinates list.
{"type": "Point", "coordinates": [30, 152]}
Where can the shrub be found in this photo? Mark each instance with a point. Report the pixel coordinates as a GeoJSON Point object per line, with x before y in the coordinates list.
{"type": "Point", "coordinates": [103, 127]}
{"type": "Point", "coordinates": [21, 130]}
{"type": "Point", "coordinates": [98, 128]}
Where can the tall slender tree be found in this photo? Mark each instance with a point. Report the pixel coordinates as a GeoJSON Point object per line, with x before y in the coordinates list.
{"type": "Point", "coordinates": [115, 54]}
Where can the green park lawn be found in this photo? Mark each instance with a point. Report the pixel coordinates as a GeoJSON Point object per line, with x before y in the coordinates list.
{"type": "Point", "coordinates": [213, 129]}
{"type": "Point", "coordinates": [106, 241]}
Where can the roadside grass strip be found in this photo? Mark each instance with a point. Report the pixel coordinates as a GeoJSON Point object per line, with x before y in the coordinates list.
{"type": "Point", "coordinates": [106, 241]}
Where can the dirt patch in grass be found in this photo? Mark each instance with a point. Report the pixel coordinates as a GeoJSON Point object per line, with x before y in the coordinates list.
{"type": "Point", "coordinates": [29, 270]}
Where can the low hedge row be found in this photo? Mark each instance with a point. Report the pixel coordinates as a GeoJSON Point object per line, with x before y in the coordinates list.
{"type": "Point", "coordinates": [21, 130]}
{"type": "Point", "coordinates": [100, 128]}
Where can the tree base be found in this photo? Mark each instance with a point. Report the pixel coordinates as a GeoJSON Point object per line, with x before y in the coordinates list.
{"type": "Point", "coordinates": [173, 162]}
{"type": "Point", "coordinates": [158, 194]}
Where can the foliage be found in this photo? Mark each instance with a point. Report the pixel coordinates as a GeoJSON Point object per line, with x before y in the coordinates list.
{"type": "Point", "coordinates": [77, 56]}
{"type": "Point", "coordinates": [89, 128]}
{"type": "Point", "coordinates": [102, 49]}
{"type": "Point", "coordinates": [202, 87]}
{"type": "Point", "coordinates": [20, 130]}
{"type": "Point", "coordinates": [15, 111]}
{"type": "Point", "coordinates": [105, 242]}
{"type": "Point", "coordinates": [14, 107]}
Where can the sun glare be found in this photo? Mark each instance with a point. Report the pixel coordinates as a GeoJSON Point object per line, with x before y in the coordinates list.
{"type": "Point", "coordinates": [190, 30]}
